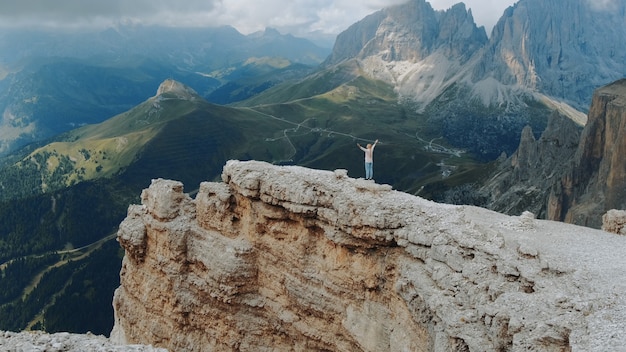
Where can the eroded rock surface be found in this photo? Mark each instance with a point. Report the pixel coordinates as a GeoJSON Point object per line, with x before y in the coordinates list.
{"type": "Point", "coordinates": [284, 258]}
{"type": "Point", "coordinates": [614, 221]}
{"type": "Point", "coordinates": [569, 175]}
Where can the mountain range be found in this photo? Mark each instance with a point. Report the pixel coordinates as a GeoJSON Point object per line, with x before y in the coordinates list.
{"type": "Point", "coordinates": [51, 82]}
{"type": "Point", "coordinates": [83, 131]}
{"type": "Point", "coordinates": [482, 91]}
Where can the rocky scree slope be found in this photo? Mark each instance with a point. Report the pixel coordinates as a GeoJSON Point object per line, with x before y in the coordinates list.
{"type": "Point", "coordinates": [289, 258]}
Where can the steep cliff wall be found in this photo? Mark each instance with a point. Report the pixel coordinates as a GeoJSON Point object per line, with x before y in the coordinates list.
{"type": "Point", "coordinates": [598, 178]}
{"type": "Point", "coordinates": [293, 259]}
{"type": "Point", "coordinates": [524, 181]}
{"type": "Point", "coordinates": [569, 174]}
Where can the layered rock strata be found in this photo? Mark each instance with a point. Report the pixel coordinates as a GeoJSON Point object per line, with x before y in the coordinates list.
{"type": "Point", "coordinates": [284, 258]}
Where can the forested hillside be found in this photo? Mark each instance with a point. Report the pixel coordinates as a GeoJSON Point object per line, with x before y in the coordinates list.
{"type": "Point", "coordinates": [59, 261]}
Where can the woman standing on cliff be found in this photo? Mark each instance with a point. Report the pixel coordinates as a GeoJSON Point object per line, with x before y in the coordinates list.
{"type": "Point", "coordinates": [369, 159]}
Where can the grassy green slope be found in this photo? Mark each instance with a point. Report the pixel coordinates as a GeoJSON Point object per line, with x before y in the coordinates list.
{"type": "Point", "coordinates": [101, 150]}
{"type": "Point", "coordinates": [315, 122]}
{"type": "Point", "coordinates": [319, 83]}
{"type": "Point", "coordinates": [326, 127]}
{"type": "Point", "coordinates": [196, 146]}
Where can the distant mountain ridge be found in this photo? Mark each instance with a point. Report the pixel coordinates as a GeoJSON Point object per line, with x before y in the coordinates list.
{"type": "Point", "coordinates": [413, 47]}
{"type": "Point", "coordinates": [187, 47]}
{"type": "Point", "coordinates": [113, 147]}
{"type": "Point", "coordinates": [178, 134]}
{"type": "Point", "coordinates": [51, 82]}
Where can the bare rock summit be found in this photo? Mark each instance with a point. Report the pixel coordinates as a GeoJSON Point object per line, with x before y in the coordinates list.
{"type": "Point", "coordinates": [176, 89]}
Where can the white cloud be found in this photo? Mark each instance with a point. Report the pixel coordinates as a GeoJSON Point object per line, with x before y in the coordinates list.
{"type": "Point", "coordinates": [603, 5]}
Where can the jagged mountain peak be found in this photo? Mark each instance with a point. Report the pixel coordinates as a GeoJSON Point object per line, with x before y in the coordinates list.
{"type": "Point", "coordinates": [411, 46]}
{"type": "Point", "coordinates": [179, 90]}
{"type": "Point", "coordinates": [543, 55]}
{"type": "Point", "coordinates": [410, 32]}
{"type": "Point", "coordinates": [544, 50]}
{"type": "Point", "coordinates": [563, 49]}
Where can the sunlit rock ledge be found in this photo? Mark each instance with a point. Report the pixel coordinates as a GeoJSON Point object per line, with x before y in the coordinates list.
{"type": "Point", "coordinates": [288, 258]}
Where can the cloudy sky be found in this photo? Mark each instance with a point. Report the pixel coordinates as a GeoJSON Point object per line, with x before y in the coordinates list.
{"type": "Point", "coordinates": [297, 17]}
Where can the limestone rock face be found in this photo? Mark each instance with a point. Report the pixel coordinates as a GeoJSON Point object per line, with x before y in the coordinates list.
{"type": "Point", "coordinates": [410, 32]}
{"type": "Point", "coordinates": [524, 181]}
{"type": "Point", "coordinates": [419, 51]}
{"type": "Point", "coordinates": [599, 174]}
{"type": "Point", "coordinates": [569, 174]}
{"type": "Point", "coordinates": [284, 258]}
{"type": "Point", "coordinates": [538, 43]}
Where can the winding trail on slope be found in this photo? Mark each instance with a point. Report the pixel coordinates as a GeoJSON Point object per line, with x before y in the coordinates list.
{"type": "Point", "coordinates": [74, 254]}
{"type": "Point", "coordinates": [299, 125]}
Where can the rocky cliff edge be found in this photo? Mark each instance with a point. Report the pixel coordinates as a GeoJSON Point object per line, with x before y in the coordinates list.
{"type": "Point", "coordinates": [289, 258]}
